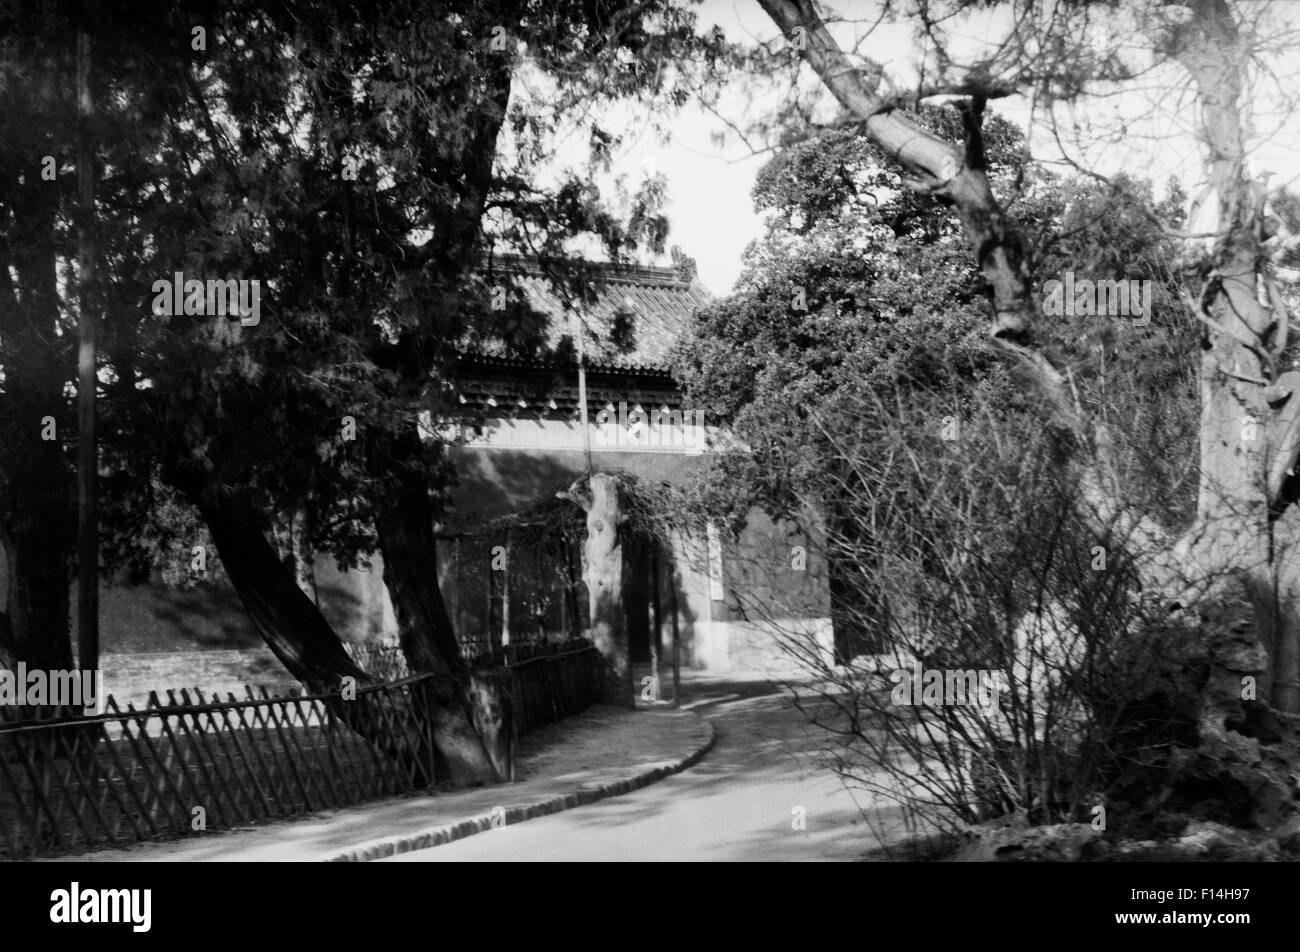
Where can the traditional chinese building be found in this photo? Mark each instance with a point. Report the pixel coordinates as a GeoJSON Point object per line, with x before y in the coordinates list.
{"type": "Point", "coordinates": [729, 596]}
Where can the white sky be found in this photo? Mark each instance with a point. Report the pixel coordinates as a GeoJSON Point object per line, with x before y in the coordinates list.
{"type": "Point", "coordinates": [709, 204]}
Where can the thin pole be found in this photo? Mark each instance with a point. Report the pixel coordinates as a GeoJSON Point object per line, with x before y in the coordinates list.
{"type": "Point", "coordinates": [491, 606]}
{"type": "Point", "coordinates": [582, 393]}
{"type": "Point", "coordinates": [505, 593]}
{"type": "Point", "coordinates": [672, 609]}
{"type": "Point", "coordinates": [575, 612]}
{"type": "Point", "coordinates": [87, 457]}
{"type": "Point", "coordinates": [655, 620]}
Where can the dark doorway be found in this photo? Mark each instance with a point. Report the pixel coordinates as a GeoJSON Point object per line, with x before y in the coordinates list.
{"type": "Point", "coordinates": [856, 622]}
{"type": "Point", "coordinates": [638, 594]}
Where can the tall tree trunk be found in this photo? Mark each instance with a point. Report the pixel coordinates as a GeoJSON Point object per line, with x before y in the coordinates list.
{"type": "Point", "coordinates": [1242, 439]}
{"type": "Point", "coordinates": [604, 572]}
{"type": "Point", "coordinates": [87, 379]}
{"type": "Point", "coordinates": [465, 711]}
{"type": "Point", "coordinates": [36, 521]}
{"type": "Point", "coordinates": [404, 523]}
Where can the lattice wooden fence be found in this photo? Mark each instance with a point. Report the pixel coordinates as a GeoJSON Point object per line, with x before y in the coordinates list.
{"type": "Point", "coordinates": [81, 783]}
{"type": "Point", "coordinates": [74, 783]}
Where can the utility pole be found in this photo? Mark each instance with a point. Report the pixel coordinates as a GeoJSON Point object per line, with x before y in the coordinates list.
{"type": "Point", "coordinates": [87, 457]}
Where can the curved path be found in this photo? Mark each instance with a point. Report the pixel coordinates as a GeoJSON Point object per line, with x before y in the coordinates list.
{"type": "Point", "coordinates": [742, 802]}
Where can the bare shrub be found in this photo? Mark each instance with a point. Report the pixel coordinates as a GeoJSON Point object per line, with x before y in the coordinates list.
{"type": "Point", "coordinates": [1035, 654]}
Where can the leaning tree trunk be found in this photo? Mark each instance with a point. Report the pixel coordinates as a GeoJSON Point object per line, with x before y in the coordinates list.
{"type": "Point", "coordinates": [295, 630]}
{"type": "Point", "coordinates": [290, 623]}
{"type": "Point", "coordinates": [404, 523]}
{"type": "Point", "coordinates": [958, 176]}
{"type": "Point", "coordinates": [603, 571]}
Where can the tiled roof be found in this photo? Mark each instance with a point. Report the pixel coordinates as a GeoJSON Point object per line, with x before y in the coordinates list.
{"type": "Point", "coordinates": [510, 386]}
{"type": "Point", "coordinates": [659, 304]}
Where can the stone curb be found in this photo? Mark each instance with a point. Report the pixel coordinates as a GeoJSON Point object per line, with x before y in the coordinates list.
{"type": "Point", "coordinates": [450, 832]}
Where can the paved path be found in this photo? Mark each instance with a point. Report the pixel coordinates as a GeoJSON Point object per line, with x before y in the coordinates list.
{"type": "Point", "coordinates": [739, 803]}
{"type": "Point", "coordinates": [574, 760]}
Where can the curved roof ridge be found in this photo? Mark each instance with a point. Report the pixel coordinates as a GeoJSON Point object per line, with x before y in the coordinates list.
{"type": "Point", "coordinates": [618, 272]}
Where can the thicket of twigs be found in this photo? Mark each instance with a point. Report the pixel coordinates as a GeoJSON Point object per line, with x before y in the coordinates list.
{"type": "Point", "coordinates": [954, 544]}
